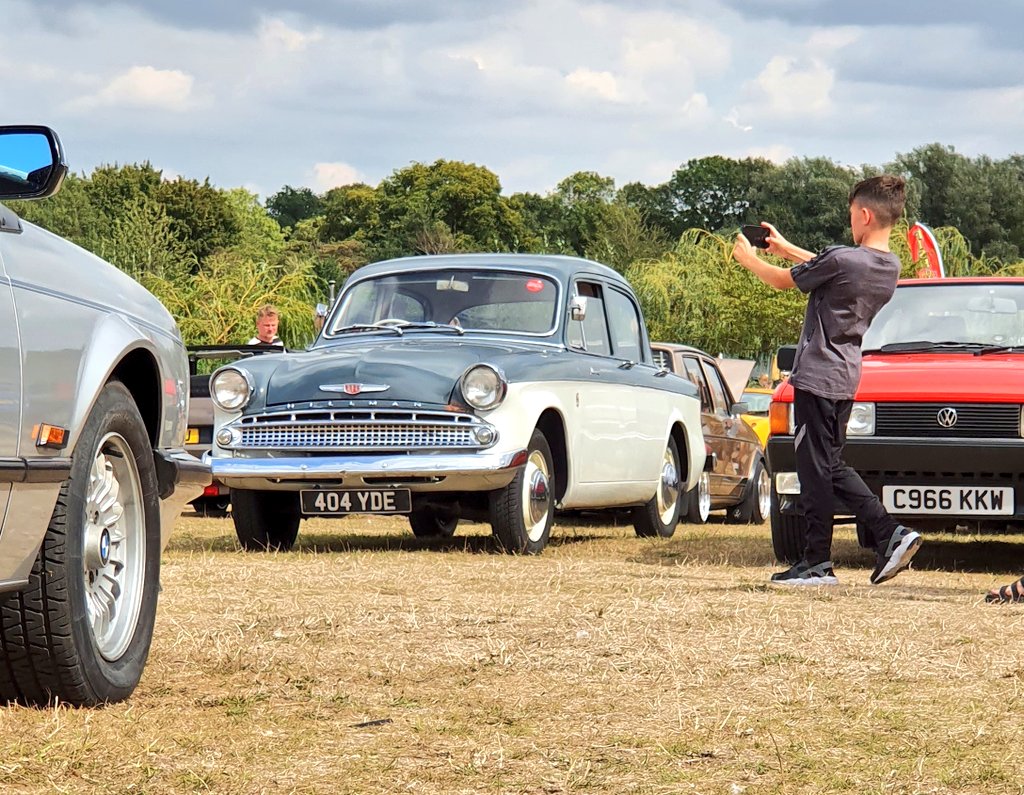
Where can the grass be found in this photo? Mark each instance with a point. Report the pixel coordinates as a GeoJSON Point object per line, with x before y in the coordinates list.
{"type": "Point", "coordinates": [369, 661]}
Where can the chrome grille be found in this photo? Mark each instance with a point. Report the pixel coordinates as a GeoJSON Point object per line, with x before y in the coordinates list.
{"type": "Point", "coordinates": [973, 420]}
{"type": "Point", "coordinates": [391, 430]}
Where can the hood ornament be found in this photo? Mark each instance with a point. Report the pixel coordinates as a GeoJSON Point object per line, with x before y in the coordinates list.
{"type": "Point", "coordinates": [354, 389]}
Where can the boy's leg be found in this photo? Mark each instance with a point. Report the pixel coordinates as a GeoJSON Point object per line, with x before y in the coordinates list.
{"type": "Point", "coordinates": [848, 487]}
{"type": "Point", "coordinates": [814, 447]}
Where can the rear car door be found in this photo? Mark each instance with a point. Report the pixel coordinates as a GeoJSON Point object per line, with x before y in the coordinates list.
{"type": "Point", "coordinates": [711, 422]}
{"type": "Point", "coordinates": [10, 385]}
{"type": "Point", "coordinates": [734, 448]}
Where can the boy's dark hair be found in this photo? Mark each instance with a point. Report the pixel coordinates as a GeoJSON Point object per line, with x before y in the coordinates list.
{"type": "Point", "coordinates": [884, 195]}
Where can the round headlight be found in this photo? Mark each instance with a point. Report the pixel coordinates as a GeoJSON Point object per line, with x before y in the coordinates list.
{"type": "Point", "coordinates": [483, 387]}
{"type": "Point", "coordinates": [230, 389]}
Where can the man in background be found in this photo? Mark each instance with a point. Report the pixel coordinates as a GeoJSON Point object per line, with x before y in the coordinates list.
{"type": "Point", "coordinates": [266, 327]}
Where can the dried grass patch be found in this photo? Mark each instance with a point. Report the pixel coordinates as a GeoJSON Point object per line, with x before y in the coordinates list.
{"type": "Point", "coordinates": [370, 661]}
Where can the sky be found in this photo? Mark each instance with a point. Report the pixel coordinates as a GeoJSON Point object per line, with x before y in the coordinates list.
{"type": "Point", "coordinates": [321, 93]}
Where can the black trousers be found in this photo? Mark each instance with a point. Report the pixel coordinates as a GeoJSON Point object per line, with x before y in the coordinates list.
{"type": "Point", "coordinates": [820, 439]}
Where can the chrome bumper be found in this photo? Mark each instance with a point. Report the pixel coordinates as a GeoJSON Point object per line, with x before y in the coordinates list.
{"type": "Point", "coordinates": [459, 472]}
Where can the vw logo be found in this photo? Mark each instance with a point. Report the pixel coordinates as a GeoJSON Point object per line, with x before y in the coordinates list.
{"type": "Point", "coordinates": [946, 417]}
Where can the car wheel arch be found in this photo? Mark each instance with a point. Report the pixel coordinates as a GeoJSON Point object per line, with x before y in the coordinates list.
{"type": "Point", "coordinates": [140, 373]}
{"type": "Point", "coordinates": [552, 425]}
{"type": "Point", "coordinates": [679, 434]}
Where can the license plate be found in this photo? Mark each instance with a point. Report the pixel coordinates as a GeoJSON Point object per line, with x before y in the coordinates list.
{"type": "Point", "coordinates": [952, 500]}
{"type": "Point", "coordinates": [192, 436]}
{"type": "Point", "coordinates": [342, 501]}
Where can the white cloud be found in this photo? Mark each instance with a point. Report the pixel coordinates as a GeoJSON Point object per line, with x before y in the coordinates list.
{"type": "Point", "coordinates": [334, 175]}
{"type": "Point", "coordinates": [733, 118]}
{"type": "Point", "coordinates": [600, 84]}
{"type": "Point", "coordinates": [796, 87]}
{"type": "Point", "coordinates": [142, 87]}
{"type": "Point", "coordinates": [275, 33]}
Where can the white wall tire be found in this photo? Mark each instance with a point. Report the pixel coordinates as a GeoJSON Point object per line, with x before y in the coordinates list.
{"type": "Point", "coordinates": [522, 512]}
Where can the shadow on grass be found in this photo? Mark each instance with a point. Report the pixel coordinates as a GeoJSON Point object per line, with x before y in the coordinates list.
{"type": "Point", "coordinates": [473, 544]}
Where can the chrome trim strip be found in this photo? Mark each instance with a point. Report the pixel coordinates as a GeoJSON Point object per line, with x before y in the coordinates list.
{"type": "Point", "coordinates": [295, 468]}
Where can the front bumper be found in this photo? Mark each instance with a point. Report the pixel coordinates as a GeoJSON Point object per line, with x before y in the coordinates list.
{"type": "Point", "coordinates": [921, 462]}
{"type": "Point", "coordinates": [420, 473]}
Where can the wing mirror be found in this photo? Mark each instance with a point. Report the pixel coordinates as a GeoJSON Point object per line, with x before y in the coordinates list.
{"type": "Point", "coordinates": [31, 162]}
{"type": "Point", "coordinates": [578, 307]}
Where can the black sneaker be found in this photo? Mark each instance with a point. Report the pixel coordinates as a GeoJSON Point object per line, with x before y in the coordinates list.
{"type": "Point", "coordinates": [903, 545]}
{"type": "Point", "coordinates": [804, 574]}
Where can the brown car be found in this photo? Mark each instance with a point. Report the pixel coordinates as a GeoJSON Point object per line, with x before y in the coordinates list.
{"type": "Point", "coordinates": [734, 478]}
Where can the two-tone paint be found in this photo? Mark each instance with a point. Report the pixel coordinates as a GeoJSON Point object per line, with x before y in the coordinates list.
{"type": "Point", "coordinates": [610, 418]}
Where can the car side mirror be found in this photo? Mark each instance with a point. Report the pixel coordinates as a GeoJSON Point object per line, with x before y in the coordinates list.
{"type": "Point", "coordinates": [786, 357]}
{"type": "Point", "coordinates": [31, 162]}
{"type": "Point", "coordinates": [578, 307]}
{"type": "Point", "coordinates": [740, 408]}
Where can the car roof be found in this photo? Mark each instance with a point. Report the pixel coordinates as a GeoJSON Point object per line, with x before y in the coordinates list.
{"type": "Point", "coordinates": [558, 266]}
{"type": "Point", "coordinates": [677, 347]}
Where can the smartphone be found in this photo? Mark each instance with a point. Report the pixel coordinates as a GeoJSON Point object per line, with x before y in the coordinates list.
{"type": "Point", "coordinates": [756, 234]}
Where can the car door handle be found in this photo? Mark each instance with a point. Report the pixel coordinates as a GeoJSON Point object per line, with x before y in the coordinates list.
{"type": "Point", "coordinates": [627, 365]}
{"type": "Point", "coordinates": [595, 371]}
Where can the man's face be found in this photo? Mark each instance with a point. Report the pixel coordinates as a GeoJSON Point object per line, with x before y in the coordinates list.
{"type": "Point", "coordinates": [266, 328]}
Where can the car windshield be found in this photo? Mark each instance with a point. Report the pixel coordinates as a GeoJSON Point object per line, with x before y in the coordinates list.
{"type": "Point", "coordinates": [949, 316]}
{"type": "Point", "coordinates": [757, 402]}
{"type": "Point", "coordinates": [471, 300]}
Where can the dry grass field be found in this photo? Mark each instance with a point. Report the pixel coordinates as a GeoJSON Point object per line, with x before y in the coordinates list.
{"type": "Point", "coordinates": [368, 661]}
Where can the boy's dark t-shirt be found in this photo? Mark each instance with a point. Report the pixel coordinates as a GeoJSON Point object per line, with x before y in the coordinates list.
{"type": "Point", "coordinates": [847, 287]}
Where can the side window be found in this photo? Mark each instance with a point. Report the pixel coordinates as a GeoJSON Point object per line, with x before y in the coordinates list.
{"type": "Point", "coordinates": [624, 322]}
{"type": "Point", "coordinates": [590, 334]}
{"type": "Point", "coordinates": [692, 370]}
{"type": "Point", "coordinates": [719, 394]}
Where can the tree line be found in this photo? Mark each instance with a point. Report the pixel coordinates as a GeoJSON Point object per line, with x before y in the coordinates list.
{"type": "Point", "coordinates": [214, 255]}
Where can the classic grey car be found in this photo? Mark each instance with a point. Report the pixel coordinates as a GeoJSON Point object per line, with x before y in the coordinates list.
{"type": "Point", "coordinates": [496, 387]}
{"type": "Point", "coordinates": [93, 395]}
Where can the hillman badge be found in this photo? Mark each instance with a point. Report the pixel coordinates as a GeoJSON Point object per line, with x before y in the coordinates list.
{"type": "Point", "coordinates": [354, 389]}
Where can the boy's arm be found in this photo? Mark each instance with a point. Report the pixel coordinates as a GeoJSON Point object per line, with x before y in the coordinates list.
{"type": "Point", "coordinates": [772, 275]}
{"type": "Point", "coordinates": [781, 247]}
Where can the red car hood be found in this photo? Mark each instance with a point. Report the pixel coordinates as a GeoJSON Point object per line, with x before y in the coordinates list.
{"type": "Point", "coordinates": [938, 377]}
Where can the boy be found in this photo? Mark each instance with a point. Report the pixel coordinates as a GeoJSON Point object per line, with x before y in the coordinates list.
{"type": "Point", "coordinates": [266, 327]}
{"type": "Point", "coordinates": [847, 286]}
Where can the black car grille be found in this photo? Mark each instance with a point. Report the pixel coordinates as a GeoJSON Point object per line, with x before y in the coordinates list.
{"type": "Point", "coordinates": [388, 430]}
{"type": "Point", "coordinates": [972, 420]}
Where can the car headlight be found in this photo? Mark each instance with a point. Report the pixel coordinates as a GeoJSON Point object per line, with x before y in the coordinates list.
{"type": "Point", "coordinates": [862, 420]}
{"type": "Point", "coordinates": [231, 389]}
{"type": "Point", "coordinates": [483, 387]}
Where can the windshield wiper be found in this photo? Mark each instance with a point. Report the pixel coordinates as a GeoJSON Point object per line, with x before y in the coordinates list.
{"type": "Point", "coordinates": [369, 327]}
{"type": "Point", "coordinates": [920, 346]}
{"type": "Point", "coordinates": [999, 349]}
{"type": "Point", "coordinates": [430, 325]}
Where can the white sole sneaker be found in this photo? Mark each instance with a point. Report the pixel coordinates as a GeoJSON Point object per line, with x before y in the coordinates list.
{"type": "Point", "coordinates": [900, 557]}
{"type": "Point", "coordinates": [803, 582]}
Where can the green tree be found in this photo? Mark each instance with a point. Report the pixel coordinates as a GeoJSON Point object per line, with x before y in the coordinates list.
{"type": "Point", "coordinates": [348, 211]}
{"type": "Point", "coordinates": [200, 214]}
{"type": "Point", "coordinates": [258, 235]}
{"type": "Point", "coordinates": [290, 205]}
{"type": "Point", "coordinates": [625, 237]}
{"type": "Point", "coordinates": [712, 193]}
{"type": "Point", "coordinates": [583, 198]}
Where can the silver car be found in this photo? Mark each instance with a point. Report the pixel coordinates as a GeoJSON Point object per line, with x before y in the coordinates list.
{"type": "Point", "coordinates": [93, 400]}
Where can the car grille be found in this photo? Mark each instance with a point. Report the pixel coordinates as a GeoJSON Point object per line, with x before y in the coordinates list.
{"type": "Point", "coordinates": [973, 420]}
{"type": "Point", "coordinates": [389, 430]}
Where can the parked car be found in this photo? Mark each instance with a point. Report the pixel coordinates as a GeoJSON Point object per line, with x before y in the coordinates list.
{"type": "Point", "coordinates": [758, 400]}
{"type": "Point", "coordinates": [216, 497]}
{"type": "Point", "coordinates": [937, 427]}
{"type": "Point", "coordinates": [736, 478]}
{"type": "Point", "coordinates": [93, 399]}
{"type": "Point", "coordinates": [499, 387]}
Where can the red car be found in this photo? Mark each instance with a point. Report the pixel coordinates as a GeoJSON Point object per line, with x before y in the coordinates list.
{"type": "Point", "coordinates": [937, 428]}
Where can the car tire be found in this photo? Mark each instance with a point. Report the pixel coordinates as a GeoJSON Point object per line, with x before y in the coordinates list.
{"type": "Point", "coordinates": [80, 632]}
{"type": "Point", "coordinates": [429, 523]}
{"type": "Point", "coordinates": [265, 521]}
{"type": "Point", "coordinates": [521, 513]}
{"type": "Point", "coordinates": [698, 500]}
{"type": "Point", "coordinates": [789, 532]}
{"type": "Point", "coordinates": [756, 503]}
{"type": "Point", "coordinates": [660, 516]}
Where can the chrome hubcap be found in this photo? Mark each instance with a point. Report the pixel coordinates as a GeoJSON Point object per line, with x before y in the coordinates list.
{"type": "Point", "coordinates": [764, 493]}
{"type": "Point", "coordinates": [668, 489]}
{"type": "Point", "coordinates": [536, 495]}
{"type": "Point", "coordinates": [704, 496]}
{"type": "Point", "coordinates": [114, 551]}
